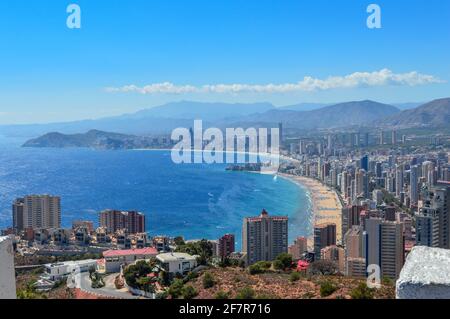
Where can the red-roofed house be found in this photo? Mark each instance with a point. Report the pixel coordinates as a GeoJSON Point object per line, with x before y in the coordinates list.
{"type": "Point", "coordinates": [116, 258]}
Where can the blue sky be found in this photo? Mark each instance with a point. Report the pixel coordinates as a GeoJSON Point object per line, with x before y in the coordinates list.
{"type": "Point", "coordinates": [51, 73]}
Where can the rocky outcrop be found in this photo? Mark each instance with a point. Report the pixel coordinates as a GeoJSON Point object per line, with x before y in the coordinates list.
{"type": "Point", "coordinates": [425, 274]}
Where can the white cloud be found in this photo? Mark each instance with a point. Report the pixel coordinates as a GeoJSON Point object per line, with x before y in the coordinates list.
{"type": "Point", "coordinates": [383, 77]}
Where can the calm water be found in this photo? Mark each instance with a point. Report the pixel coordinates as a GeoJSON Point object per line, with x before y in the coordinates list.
{"type": "Point", "coordinates": [192, 200]}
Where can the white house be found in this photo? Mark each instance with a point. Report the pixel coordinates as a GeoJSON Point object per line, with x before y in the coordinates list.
{"type": "Point", "coordinates": [7, 272]}
{"type": "Point", "coordinates": [58, 271]}
{"type": "Point", "coordinates": [176, 263]}
{"type": "Point", "coordinates": [114, 259]}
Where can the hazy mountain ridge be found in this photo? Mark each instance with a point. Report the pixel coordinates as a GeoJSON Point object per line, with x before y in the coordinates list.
{"type": "Point", "coordinates": [435, 113]}
{"type": "Point", "coordinates": [338, 115]}
{"type": "Point", "coordinates": [163, 119]}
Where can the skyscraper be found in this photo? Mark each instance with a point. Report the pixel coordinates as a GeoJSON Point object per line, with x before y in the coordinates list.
{"type": "Point", "coordinates": [17, 211]}
{"type": "Point", "coordinates": [131, 221]}
{"type": "Point", "coordinates": [324, 235]}
{"type": "Point", "coordinates": [433, 220]}
{"type": "Point", "coordinates": [280, 128]}
{"type": "Point", "coordinates": [264, 237]}
{"type": "Point", "coordinates": [350, 217]}
{"type": "Point", "coordinates": [299, 247]}
{"type": "Point", "coordinates": [39, 211]}
{"type": "Point", "coordinates": [392, 249]}
{"type": "Point", "coordinates": [413, 186]}
{"type": "Point", "coordinates": [364, 162]}
{"type": "Point", "coordinates": [394, 137]}
{"type": "Point", "coordinates": [385, 246]}
{"type": "Point", "coordinates": [398, 180]}
{"type": "Point", "coordinates": [226, 245]}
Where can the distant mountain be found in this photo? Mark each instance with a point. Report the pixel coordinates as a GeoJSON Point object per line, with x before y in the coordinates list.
{"type": "Point", "coordinates": [156, 120]}
{"type": "Point", "coordinates": [435, 113]}
{"type": "Point", "coordinates": [407, 106]}
{"type": "Point", "coordinates": [199, 110]}
{"type": "Point", "coordinates": [92, 139]}
{"type": "Point", "coordinates": [344, 114]}
{"type": "Point", "coordinates": [163, 119]}
{"type": "Point", "coordinates": [303, 107]}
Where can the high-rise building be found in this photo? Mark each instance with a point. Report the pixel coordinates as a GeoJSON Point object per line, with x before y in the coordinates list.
{"type": "Point", "coordinates": [394, 137]}
{"type": "Point", "coordinates": [264, 237]}
{"type": "Point", "coordinates": [280, 128]}
{"type": "Point", "coordinates": [7, 273]}
{"type": "Point", "coordinates": [86, 224]}
{"type": "Point", "coordinates": [324, 235]}
{"type": "Point", "coordinates": [39, 212]}
{"type": "Point", "coordinates": [354, 243]}
{"type": "Point", "coordinates": [398, 180]}
{"type": "Point", "coordinates": [355, 267]}
{"type": "Point", "coordinates": [334, 254]}
{"type": "Point", "coordinates": [433, 220]}
{"type": "Point", "coordinates": [385, 246]}
{"type": "Point", "coordinates": [350, 217]}
{"type": "Point", "coordinates": [364, 162]}
{"type": "Point", "coordinates": [298, 248]}
{"type": "Point", "coordinates": [392, 249]}
{"type": "Point", "coordinates": [413, 186]}
{"type": "Point", "coordinates": [17, 209]}
{"type": "Point", "coordinates": [377, 196]}
{"type": "Point", "coordinates": [130, 221]}
{"type": "Point", "coordinates": [226, 245]}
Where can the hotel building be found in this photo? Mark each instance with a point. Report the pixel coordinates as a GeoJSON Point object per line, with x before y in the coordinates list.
{"type": "Point", "coordinates": [37, 212]}
{"type": "Point", "coordinates": [131, 221]}
{"type": "Point", "coordinates": [264, 237]}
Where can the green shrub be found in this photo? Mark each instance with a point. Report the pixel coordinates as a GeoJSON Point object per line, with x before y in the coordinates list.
{"type": "Point", "coordinates": [208, 281]}
{"type": "Point", "coordinates": [246, 293]}
{"type": "Point", "coordinates": [222, 295]}
{"type": "Point", "coordinates": [362, 292]}
{"type": "Point", "coordinates": [327, 288]}
{"type": "Point", "coordinates": [295, 276]}
{"type": "Point", "coordinates": [189, 292]}
{"type": "Point", "coordinates": [175, 289]}
{"type": "Point", "coordinates": [259, 267]}
{"type": "Point", "coordinates": [283, 261]}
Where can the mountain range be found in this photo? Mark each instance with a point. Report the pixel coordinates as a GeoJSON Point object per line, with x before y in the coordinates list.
{"type": "Point", "coordinates": [163, 119]}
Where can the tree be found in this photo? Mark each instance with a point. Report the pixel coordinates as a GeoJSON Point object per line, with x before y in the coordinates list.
{"type": "Point", "coordinates": [175, 289]}
{"type": "Point", "coordinates": [179, 241]}
{"type": "Point", "coordinates": [362, 292]}
{"type": "Point", "coordinates": [203, 249]}
{"type": "Point", "coordinates": [259, 267]}
{"type": "Point", "coordinates": [327, 288]}
{"type": "Point", "coordinates": [246, 293]}
{"type": "Point", "coordinates": [189, 292]}
{"type": "Point", "coordinates": [134, 272]}
{"type": "Point", "coordinates": [208, 281]}
{"type": "Point", "coordinates": [323, 267]}
{"type": "Point", "coordinates": [283, 261]}
{"type": "Point", "coordinates": [146, 284]}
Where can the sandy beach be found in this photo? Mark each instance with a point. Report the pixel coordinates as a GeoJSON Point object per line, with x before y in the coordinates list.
{"type": "Point", "coordinates": [326, 204]}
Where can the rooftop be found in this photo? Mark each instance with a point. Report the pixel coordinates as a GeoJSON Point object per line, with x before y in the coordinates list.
{"type": "Point", "coordinates": [130, 252]}
{"type": "Point", "coordinates": [175, 256]}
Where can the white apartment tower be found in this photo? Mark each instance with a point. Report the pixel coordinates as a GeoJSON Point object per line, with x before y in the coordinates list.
{"type": "Point", "coordinates": [41, 212]}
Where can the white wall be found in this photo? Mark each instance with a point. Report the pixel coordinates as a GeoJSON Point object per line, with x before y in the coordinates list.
{"type": "Point", "coordinates": [7, 272]}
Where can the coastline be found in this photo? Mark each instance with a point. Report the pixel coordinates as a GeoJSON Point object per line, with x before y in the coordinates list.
{"type": "Point", "coordinates": [326, 206]}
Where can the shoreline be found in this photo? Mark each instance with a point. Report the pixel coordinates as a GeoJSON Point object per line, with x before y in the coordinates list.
{"type": "Point", "coordinates": [325, 203]}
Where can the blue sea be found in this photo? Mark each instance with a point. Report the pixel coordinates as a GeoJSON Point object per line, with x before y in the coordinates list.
{"type": "Point", "coordinates": [191, 200]}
